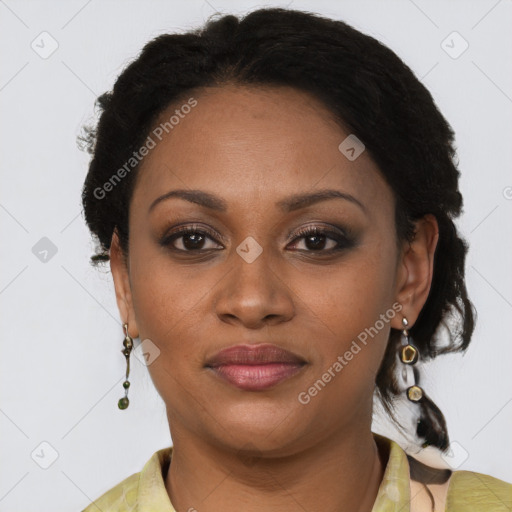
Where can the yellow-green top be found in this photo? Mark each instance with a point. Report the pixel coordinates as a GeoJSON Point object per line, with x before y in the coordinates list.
{"type": "Point", "coordinates": [465, 491]}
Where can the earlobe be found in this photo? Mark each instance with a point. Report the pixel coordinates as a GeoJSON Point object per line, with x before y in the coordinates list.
{"type": "Point", "coordinates": [417, 268]}
{"type": "Point", "coordinates": [122, 286]}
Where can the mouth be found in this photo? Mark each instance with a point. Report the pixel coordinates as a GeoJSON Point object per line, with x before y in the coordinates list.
{"type": "Point", "coordinates": [255, 367]}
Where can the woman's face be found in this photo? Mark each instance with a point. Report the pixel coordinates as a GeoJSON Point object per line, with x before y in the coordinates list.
{"type": "Point", "coordinates": [251, 273]}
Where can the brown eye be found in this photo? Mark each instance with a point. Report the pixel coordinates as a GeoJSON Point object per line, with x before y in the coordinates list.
{"type": "Point", "coordinates": [317, 239]}
{"type": "Point", "coordinates": [191, 239]}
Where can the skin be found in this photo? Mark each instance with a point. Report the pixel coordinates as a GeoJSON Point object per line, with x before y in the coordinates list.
{"type": "Point", "coordinates": [264, 450]}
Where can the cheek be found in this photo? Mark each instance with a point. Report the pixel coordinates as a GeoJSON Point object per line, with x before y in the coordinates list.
{"type": "Point", "coordinates": [166, 305]}
{"type": "Point", "coordinates": [161, 293]}
{"type": "Point", "coordinates": [171, 305]}
{"type": "Point", "coordinates": [355, 290]}
{"type": "Point", "coordinates": [351, 305]}
{"type": "Point", "coordinates": [166, 310]}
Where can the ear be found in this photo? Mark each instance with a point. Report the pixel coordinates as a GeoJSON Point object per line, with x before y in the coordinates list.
{"type": "Point", "coordinates": [415, 270]}
{"type": "Point", "coordinates": [121, 276]}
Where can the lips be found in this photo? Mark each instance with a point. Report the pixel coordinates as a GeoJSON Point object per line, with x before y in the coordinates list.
{"type": "Point", "coordinates": [254, 355]}
{"type": "Point", "coordinates": [255, 367]}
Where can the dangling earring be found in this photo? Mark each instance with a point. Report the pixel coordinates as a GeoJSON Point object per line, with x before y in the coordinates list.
{"type": "Point", "coordinates": [430, 425]}
{"type": "Point", "coordinates": [409, 355]}
{"type": "Point", "coordinates": [128, 345]}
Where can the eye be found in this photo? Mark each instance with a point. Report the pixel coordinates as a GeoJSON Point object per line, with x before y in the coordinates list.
{"type": "Point", "coordinates": [191, 239]}
{"type": "Point", "coordinates": [313, 239]}
{"type": "Point", "coordinates": [318, 239]}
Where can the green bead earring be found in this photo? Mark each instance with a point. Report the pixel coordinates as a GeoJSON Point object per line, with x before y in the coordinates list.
{"type": "Point", "coordinates": [128, 345]}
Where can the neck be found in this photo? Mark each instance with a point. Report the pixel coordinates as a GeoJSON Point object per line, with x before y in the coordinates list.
{"type": "Point", "coordinates": [342, 474]}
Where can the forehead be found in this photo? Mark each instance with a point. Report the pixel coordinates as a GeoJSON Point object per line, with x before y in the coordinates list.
{"type": "Point", "coordinates": [253, 144]}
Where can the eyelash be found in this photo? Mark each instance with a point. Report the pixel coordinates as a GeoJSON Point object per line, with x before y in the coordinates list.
{"type": "Point", "coordinates": [343, 240]}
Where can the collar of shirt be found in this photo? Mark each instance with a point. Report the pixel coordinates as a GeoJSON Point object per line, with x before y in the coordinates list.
{"type": "Point", "coordinates": [393, 494]}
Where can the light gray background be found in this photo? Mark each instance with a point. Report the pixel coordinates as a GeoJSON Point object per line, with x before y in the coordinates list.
{"type": "Point", "coordinates": [61, 366]}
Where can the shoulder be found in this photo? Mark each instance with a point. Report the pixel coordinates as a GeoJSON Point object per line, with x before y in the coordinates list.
{"type": "Point", "coordinates": [121, 498]}
{"type": "Point", "coordinates": [456, 491]}
{"type": "Point", "coordinates": [144, 490]}
{"type": "Point", "coordinates": [476, 491]}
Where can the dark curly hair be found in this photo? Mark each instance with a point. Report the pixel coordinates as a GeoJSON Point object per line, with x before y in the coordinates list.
{"type": "Point", "coordinates": [370, 92]}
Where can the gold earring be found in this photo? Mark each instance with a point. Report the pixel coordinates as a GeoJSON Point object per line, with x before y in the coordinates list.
{"type": "Point", "coordinates": [128, 345]}
{"type": "Point", "coordinates": [409, 355]}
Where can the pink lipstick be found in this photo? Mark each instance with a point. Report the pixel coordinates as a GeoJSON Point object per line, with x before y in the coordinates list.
{"type": "Point", "coordinates": [255, 367]}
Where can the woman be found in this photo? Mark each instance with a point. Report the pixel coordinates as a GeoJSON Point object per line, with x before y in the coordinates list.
{"type": "Point", "coordinates": [276, 195]}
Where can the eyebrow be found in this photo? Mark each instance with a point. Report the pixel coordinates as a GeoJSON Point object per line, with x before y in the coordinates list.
{"type": "Point", "coordinates": [290, 204]}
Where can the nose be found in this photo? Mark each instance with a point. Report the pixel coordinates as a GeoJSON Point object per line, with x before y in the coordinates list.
{"type": "Point", "coordinates": [254, 295]}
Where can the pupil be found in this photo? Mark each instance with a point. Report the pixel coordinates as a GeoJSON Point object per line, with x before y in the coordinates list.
{"type": "Point", "coordinates": [318, 241]}
{"type": "Point", "coordinates": [195, 240]}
